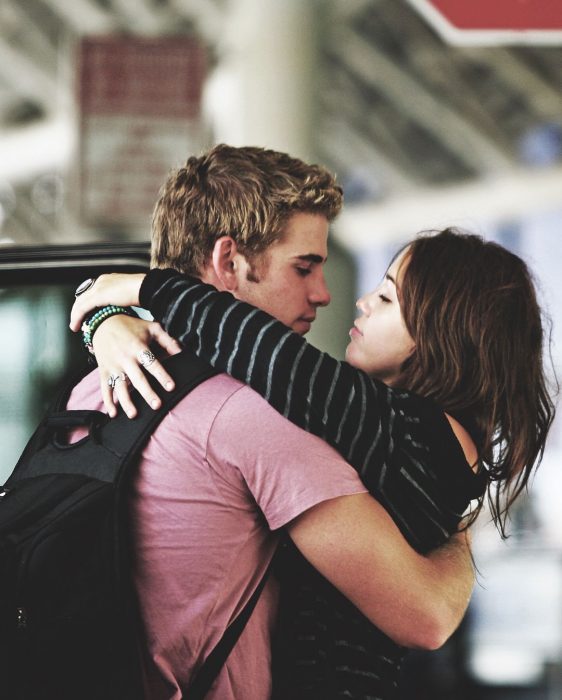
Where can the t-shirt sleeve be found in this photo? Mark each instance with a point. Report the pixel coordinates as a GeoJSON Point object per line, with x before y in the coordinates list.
{"type": "Point", "coordinates": [286, 469]}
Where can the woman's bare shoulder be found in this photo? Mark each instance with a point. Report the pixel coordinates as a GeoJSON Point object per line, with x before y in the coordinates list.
{"type": "Point", "coordinates": [466, 442]}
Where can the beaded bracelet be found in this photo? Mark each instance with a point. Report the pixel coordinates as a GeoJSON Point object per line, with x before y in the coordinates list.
{"type": "Point", "coordinates": [94, 321]}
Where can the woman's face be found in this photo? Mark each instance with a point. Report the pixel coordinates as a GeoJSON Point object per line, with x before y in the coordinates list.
{"type": "Point", "coordinates": [380, 341]}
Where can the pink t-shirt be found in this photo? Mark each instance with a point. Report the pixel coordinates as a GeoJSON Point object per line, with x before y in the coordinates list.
{"type": "Point", "coordinates": [221, 472]}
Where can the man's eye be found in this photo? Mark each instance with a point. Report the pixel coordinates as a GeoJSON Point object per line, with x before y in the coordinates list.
{"type": "Point", "coordinates": [303, 271]}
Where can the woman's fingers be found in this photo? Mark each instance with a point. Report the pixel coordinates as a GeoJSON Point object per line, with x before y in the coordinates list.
{"type": "Point", "coordinates": [164, 340]}
{"type": "Point", "coordinates": [142, 385]}
{"type": "Point", "coordinates": [122, 394]}
{"type": "Point", "coordinates": [150, 363]}
{"type": "Point", "coordinates": [116, 390]}
{"type": "Point", "coordinates": [107, 393]}
{"type": "Point", "coordinates": [136, 378]}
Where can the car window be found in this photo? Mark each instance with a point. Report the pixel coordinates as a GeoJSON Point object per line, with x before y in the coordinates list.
{"type": "Point", "coordinates": [38, 352]}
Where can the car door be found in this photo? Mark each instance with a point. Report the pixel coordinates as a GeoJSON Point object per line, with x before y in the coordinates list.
{"type": "Point", "coordinates": [37, 350]}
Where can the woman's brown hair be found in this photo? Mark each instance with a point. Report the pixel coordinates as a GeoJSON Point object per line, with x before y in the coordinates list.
{"type": "Point", "coordinates": [471, 307]}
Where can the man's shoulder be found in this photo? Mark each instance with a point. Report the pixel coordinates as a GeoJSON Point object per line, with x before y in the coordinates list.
{"type": "Point", "coordinates": [222, 385]}
{"type": "Point", "coordinates": [217, 389]}
{"type": "Point", "coordinates": [286, 469]}
{"type": "Point", "coordinates": [247, 419]}
{"type": "Point", "coordinates": [86, 394]}
{"type": "Point", "coordinates": [210, 397]}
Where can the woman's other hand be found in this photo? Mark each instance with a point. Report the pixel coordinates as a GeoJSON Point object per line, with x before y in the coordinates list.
{"type": "Point", "coordinates": [122, 349]}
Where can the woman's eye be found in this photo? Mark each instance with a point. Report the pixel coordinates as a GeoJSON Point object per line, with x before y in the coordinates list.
{"type": "Point", "coordinates": [386, 300]}
{"type": "Point", "coordinates": [303, 271]}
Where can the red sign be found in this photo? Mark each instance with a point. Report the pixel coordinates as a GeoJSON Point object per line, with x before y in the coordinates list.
{"type": "Point", "coordinates": [140, 105]}
{"type": "Point", "coordinates": [495, 21]}
{"type": "Point", "coordinates": [150, 76]}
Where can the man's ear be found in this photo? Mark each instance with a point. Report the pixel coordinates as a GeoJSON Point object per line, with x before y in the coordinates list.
{"type": "Point", "coordinates": [225, 263]}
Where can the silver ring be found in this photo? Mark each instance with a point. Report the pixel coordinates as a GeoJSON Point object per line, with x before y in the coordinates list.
{"type": "Point", "coordinates": [146, 358]}
{"type": "Point", "coordinates": [114, 378]}
{"type": "Point", "coordinates": [84, 286]}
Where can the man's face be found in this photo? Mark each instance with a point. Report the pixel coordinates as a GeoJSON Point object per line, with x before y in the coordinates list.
{"type": "Point", "coordinates": [291, 282]}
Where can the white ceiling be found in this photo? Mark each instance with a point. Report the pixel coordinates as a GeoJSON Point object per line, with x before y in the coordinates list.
{"type": "Point", "coordinates": [399, 112]}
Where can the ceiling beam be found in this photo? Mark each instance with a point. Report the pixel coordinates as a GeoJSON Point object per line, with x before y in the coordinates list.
{"type": "Point", "coordinates": [354, 148]}
{"type": "Point", "coordinates": [142, 17]}
{"type": "Point", "coordinates": [205, 15]}
{"type": "Point", "coordinates": [26, 77]}
{"type": "Point", "coordinates": [457, 134]}
{"type": "Point", "coordinates": [545, 98]}
{"type": "Point", "coordinates": [83, 16]}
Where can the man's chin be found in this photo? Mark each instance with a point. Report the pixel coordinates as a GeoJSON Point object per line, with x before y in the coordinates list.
{"type": "Point", "coordinates": [301, 326]}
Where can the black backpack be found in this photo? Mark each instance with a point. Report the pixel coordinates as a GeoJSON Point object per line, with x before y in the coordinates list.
{"type": "Point", "coordinates": [69, 625]}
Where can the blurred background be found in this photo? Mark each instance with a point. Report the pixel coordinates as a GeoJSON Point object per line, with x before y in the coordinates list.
{"type": "Point", "coordinates": [428, 120]}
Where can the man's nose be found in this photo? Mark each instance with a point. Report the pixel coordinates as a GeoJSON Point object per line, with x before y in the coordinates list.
{"type": "Point", "coordinates": [319, 293]}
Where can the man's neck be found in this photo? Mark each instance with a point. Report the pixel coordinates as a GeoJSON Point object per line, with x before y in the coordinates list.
{"type": "Point", "coordinates": [209, 276]}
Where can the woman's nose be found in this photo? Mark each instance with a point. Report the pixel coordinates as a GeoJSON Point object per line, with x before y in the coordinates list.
{"type": "Point", "coordinates": [362, 304]}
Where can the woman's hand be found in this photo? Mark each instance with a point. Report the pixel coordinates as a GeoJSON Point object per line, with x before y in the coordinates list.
{"type": "Point", "coordinates": [122, 348]}
{"type": "Point", "coordinates": [116, 288]}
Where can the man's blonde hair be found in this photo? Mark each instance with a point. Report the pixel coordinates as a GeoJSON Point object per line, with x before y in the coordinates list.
{"type": "Point", "coordinates": [247, 193]}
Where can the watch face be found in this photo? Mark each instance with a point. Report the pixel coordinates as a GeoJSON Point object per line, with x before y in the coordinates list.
{"type": "Point", "coordinates": [83, 286]}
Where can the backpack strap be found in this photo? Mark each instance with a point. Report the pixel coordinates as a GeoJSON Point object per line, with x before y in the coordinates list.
{"type": "Point", "coordinates": [205, 676]}
{"type": "Point", "coordinates": [110, 453]}
{"type": "Point", "coordinates": [188, 372]}
{"type": "Point", "coordinates": [113, 446]}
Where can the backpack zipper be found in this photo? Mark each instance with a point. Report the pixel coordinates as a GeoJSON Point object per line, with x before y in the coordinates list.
{"type": "Point", "coordinates": [21, 618]}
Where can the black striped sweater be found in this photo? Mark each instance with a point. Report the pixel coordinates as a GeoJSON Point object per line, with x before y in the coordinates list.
{"type": "Point", "coordinates": [401, 445]}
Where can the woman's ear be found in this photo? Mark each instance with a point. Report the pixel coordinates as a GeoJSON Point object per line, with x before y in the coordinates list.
{"type": "Point", "coordinates": [225, 264]}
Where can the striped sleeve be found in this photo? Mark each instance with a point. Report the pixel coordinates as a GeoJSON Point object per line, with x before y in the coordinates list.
{"type": "Point", "coordinates": [320, 394]}
{"type": "Point", "coordinates": [383, 434]}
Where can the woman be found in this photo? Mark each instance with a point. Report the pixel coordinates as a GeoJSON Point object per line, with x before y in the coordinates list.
{"type": "Point", "coordinates": [456, 321]}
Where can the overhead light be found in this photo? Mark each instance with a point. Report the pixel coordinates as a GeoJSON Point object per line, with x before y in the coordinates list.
{"type": "Point", "coordinates": [36, 149]}
{"type": "Point", "coordinates": [506, 667]}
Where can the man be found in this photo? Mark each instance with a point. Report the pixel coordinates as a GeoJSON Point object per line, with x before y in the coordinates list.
{"type": "Point", "coordinates": [224, 471]}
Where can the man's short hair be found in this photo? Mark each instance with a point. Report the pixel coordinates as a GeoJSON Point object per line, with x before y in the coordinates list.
{"type": "Point", "coordinates": [247, 193]}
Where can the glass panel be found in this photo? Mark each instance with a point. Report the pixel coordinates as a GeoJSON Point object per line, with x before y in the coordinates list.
{"type": "Point", "coordinates": [38, 351]}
